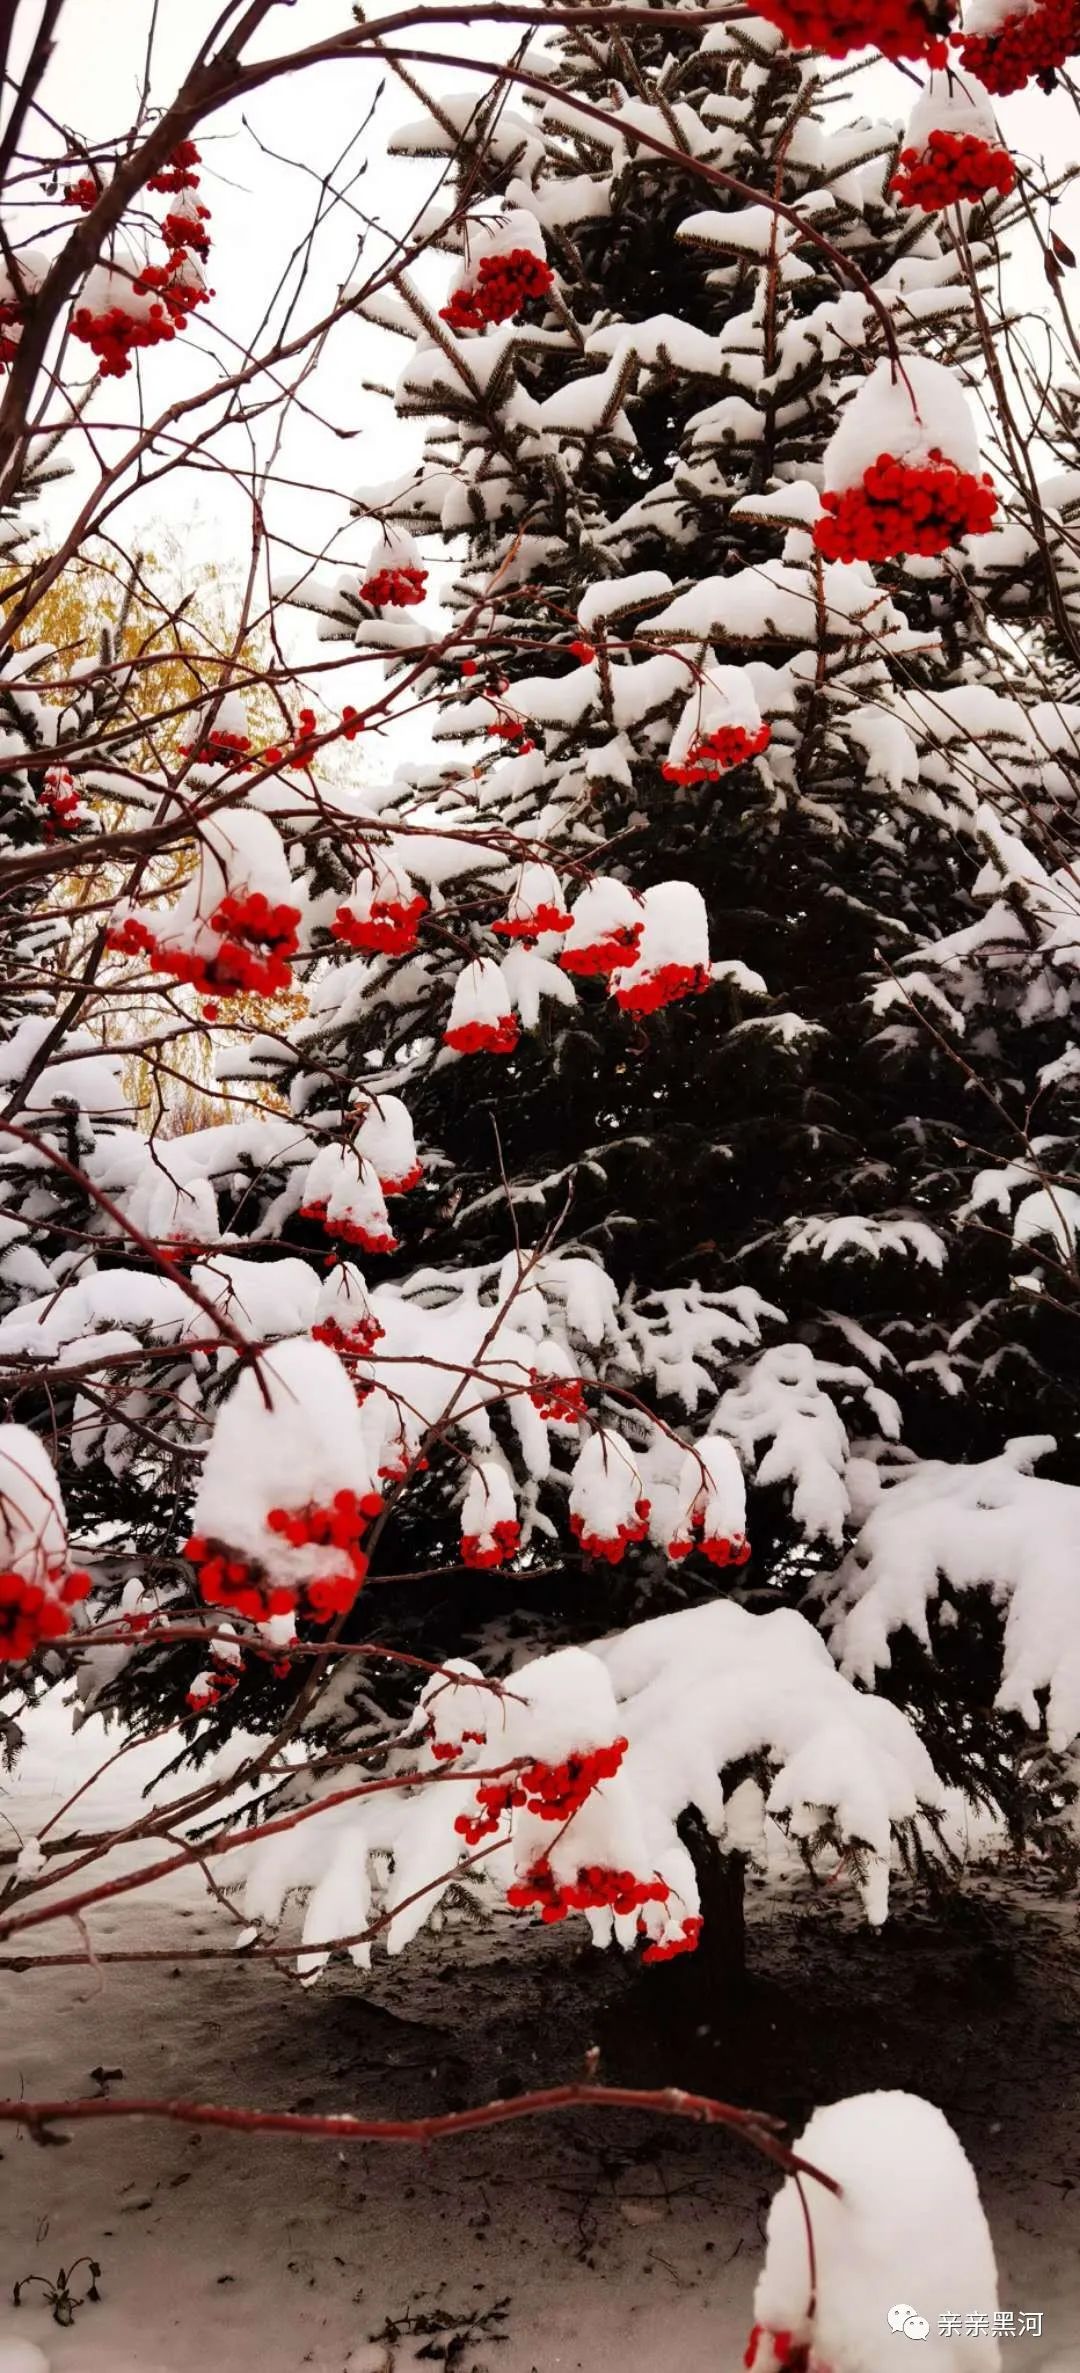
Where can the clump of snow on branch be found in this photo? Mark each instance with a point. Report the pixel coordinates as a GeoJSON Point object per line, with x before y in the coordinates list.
{"type": "Point", "coordinates": [896, 2252]}
{"type": "Point", "coordinates": [675, 1704]}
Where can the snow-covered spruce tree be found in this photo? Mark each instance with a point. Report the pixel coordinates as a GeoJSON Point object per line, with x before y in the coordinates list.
{"type": "Point", "coordinates": [615, 1075]}
{"type": "Point", "coordinates": [635, 392]}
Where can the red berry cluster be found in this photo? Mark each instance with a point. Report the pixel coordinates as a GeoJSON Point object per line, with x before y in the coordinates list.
{"type": "Point", "coordinates": [716, 753]}
{"type": "Point", "coordinates": [253, 920]}
{"type": "Point", "coordinates": [663, 987]}
{"type": "Point", "coordinates": [903, 506]}
{"type": "Point", "coordinates": [406, 1463]}
{"type": "Point", "coordinates": [226, 1580]}
{"type": "Point", "coordinates": [1026, 49]}
{"type": "Point", "coordinates": [229, 1581]}
{"type": "Point", "coordinates": [59, 800]}
{"type": "Point", "coordinates": [613, 1547]}
{"type": "Point", "coordinates": [178, 173]}
{"type": "Point", "coordinates": [245, 925]}
{"type": "Point", "coordinates": [113, 335]}
{"type": "Point", "coordinates": [507, 282]}
{"type": "Point", "coordinates": [529, 927]}
{"type": "Point", "coordinates": [448, 1750]}
{"type": "Point", "coordinates": [209, 1689]}
{"type": "Point", "coordinates": [186, 230]}
{"type": "Point", "coordinates": [405, 1184]}
{"type": "Point", "coordinates": [230, 970]}
{"type": "Point", "coordinates": [491, 1549]}
{"type": "Point", "coordinates": [30, 1612]}
{"type": "Point", "coordinates": [719, 1548]}
{"type": "Point", "coordinates": [793, 2355]}
{"type": "Point", "coordinates": [504, 283]}
{"type": "Point", "coordinates": [561, 1399]}
{"type": "Point", "coordinates": [351, 1231]}
{"type": "Point", "coordinates": [684, 1940]}
{"type": "Point", "coordinates": [474, 1827]}
{"type": "Point", "coordinates": [582, 651]}
{"type": "Point", "coordinates": [337, 1527]}
{"type": "Point", "coordinates": [511, 729]}
{"type": "Point", "coordinates": [178, 292]}
{"type": "Point", "coordinates": [388, 929]}
{"type": "Point", "coordinates": [898, 28]}
{"type": "Point", "coordinates": [83, 193]}
{"type": "Point", "coordinates": [219, 748]}
{"type": "Point", "coordinates": [607, 955]}
{"type": "Point", "coordinates": [594, 1889]}
{"type": "Point", "coordinates": [484, 1038]}
{"type": "Point", "coordinates": [394, 589]}
{"type": "Point", "coordinates": [352, 1342]}
{"type": "Point", "coordinates": [556, 1791]}
{"type": "Point", "coordinates": [302, 749]}
{"type": "Point", "coordinates": [952, 167]}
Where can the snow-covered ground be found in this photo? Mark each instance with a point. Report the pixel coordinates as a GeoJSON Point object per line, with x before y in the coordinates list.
{"type": "Point", "coordinates": [580, 2244]}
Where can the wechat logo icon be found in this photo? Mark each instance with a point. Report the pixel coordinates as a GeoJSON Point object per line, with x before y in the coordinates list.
{"type": "Point", "coordinates": [908, 2321]}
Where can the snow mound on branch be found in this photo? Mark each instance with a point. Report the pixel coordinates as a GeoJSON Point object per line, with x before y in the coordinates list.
{"type": "Point", "coordinates": [779, 1400]}
{"type": "Point", "coordinates": [717, 1686]}
{"type": "Point", "coordinates": [463, 116]}
{"type": "Point", "coordinates": [952, 103]}
{"type": "Point", "coordinates": [721, 697]}
{"type": "Point", "coordinates": [754, 606]}
{"type": "Point", "coordinates": [935, 1527]}
{"type": "Point", "coordinates": [908, 2226]}
{"type": "Point", "coordinates": [260, 1299]}
{"type": "Point", "coordinates": [33, 1530]}
{"type": "Point", "coordinates": [79, 1073]}
{"type": "Point", "coordinates": [830, 1239]}
{"type": "Point", "coordinates": [239, 853]}
{"type": "Point", "coordinates": [76, 1318]}
{"type": "Point", "coordinates": [289, 1435]}
{"type": "Point", "coordinates": [921, 408]}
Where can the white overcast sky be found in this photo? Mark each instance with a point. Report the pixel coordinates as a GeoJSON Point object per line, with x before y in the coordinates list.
{"type": "Point", "coordinates": [261, 206]}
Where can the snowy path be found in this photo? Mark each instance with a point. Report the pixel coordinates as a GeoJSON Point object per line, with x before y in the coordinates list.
{"type": "Point", "coordinates": [617, 2246]}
